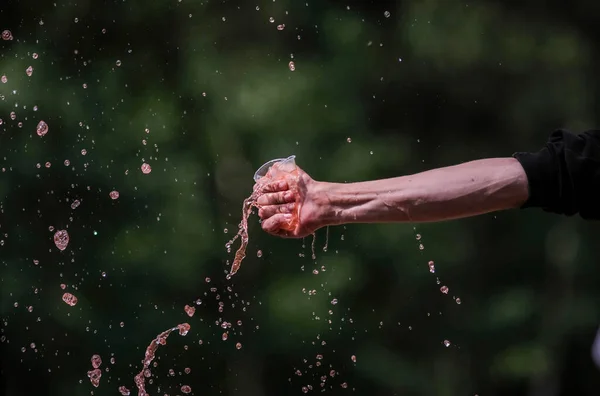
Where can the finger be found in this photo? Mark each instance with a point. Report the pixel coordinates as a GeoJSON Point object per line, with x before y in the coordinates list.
{"type": "Point", "coordinates": [270, 210]}
{"type": "Point", "coordinates": [274, 223]}
{"type": "Point", "coordinates": [277, 198]}
{"type": "Point", "coordinates": [276, 186]}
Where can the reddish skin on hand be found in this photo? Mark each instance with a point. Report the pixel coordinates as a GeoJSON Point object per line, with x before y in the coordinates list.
{"type": "Point", "coordinates": [278, 202]}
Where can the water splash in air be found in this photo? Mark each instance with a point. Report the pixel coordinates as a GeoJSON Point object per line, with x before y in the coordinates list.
{"type": "Point", "coordinates": [61, 239]}
{"type": "Point", "coordinates": [42, 128]}
{"type": "Point", "coordinates": [160, 339]}
{"type": "Point", "coordinates": [278, 171]}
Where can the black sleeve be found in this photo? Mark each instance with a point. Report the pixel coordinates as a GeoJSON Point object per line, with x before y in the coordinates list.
{"type": "Point", "coordinates": [564, 177]}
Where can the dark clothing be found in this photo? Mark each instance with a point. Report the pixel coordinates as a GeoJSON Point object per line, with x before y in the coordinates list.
{"type": "Point", "coordinates": [564, 176]}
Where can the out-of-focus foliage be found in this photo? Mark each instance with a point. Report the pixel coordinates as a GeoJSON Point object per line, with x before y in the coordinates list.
{"type": "Point", "coordinates": [380, 89]}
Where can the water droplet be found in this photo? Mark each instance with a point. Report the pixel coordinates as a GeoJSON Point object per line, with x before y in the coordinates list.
{"type": "Point", "coordinates": [271, 19]}
{"type": "Point", "coordinates": [259, 253]}
{"type": "Point", "coordinates": [42, 128]}
{"type": "Point", "coordinates": [444, 289]}
{"type": "Point", "coordinates": [334, 301]}
{"type": "Point", "coordinates": [458, 300]}
{"type": "Point", "coordinates": [69, 299]}
{"type": "Point", "coordinates": [189, 310]}
{"type": "Point", "coordinates": [186, 389]}
{"type": "Point", "coordinates": [446, 343]}
{"type": "Point", "coordinates": [281, 27]}
{"type": "Point", "coordinates": [83, 151]}
{"type": "Point", "coordinates": [7, 35]}
{"type": "Point", "coordinates": [387, 14]}
{"type": "Point", "coordinates": [67, 162]}
{"type": "Point", "coordinates": [96, 361]}
{"type": "Point", "coordinates": [29, 71]}
{"type": "Point", "coordinates": [146, 168]}
{"type": "Point", "coordinates": [94, 376]}
{"type": "Point", "coordinates": [114, 194]}
{"type": "Point", "coordinates": [4, 79]}
{"type": "Point", "coordinates": [353, 358]}
{"type": "Point", "coordinates": [61, 239]}
{"type": "Point", "coordinates": [292, 66]}
{"type": "Point", "coordinates": [75, 204]}
{"type": "Point", "coordinates": [118, 63]}
{"type": "Point", "coordinates": [349, 140]}
{"type": "Point", "coordinates": [431, 267]}
{"type": "Point", "coordinates": [183, 328]}
{"type": "Point", "coordinates": [238, 345]}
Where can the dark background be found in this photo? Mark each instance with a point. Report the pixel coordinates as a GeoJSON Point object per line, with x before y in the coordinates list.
{"type": "Point", "coordinates": [436, 83]}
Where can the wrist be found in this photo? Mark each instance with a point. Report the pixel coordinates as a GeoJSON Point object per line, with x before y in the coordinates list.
{"type": "Point", "coordinates": [327, 212]}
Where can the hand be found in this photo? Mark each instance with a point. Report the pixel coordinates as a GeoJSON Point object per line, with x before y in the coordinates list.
{"type": "Point", "coordinates": [281, 198]}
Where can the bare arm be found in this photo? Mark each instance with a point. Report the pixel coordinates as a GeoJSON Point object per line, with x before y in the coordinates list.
{"type": "Point", "coordinates": [563, 177]}
{"type": "Point", "coordinates": [452, 192]}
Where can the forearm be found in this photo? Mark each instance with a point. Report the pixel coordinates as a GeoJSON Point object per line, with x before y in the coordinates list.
{"type": "Point", "coordinates": [452, 192]}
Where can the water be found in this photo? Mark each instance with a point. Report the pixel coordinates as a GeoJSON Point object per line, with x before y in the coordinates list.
{"type": "Point", "coordinates": [277, 172]}
{"type": "Point", "coordinates": [161, 339]}
{"type": "Point", "coordinates": [242, 233]}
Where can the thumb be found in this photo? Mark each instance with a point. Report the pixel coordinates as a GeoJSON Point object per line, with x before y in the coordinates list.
{"type": "Point", "coordinates": [274, 223]}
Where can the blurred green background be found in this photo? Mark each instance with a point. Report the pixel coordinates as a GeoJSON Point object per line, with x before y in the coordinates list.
{"type": "Point", "coordinates": [380, 89]}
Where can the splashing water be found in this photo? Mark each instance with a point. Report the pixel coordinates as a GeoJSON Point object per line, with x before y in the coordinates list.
{"type": "Point", "coordinates": [69, 299]}
{"type": "Point", "coordinates": [94, 376]}
{"type": "Point", "coordinates": [160, 339]}
{"type": "Point", "coordinates": [42, 128]}
{"type": "Point", "coordinates": [240, 254]}
{"type": "Point", "coordinates": [277, 172]}
{"type": "Point", "coordinates": [61, 239]}
{"type": "Point", "coordinates": [96, 361]}
{"type": "Point", "coordinates": [146, 168]}
{"type": "Point", "coordinates": [189, 310]}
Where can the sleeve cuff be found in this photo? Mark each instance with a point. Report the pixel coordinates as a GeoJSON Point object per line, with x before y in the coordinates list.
{"type": "Point", "coordinates": [539, 169]}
